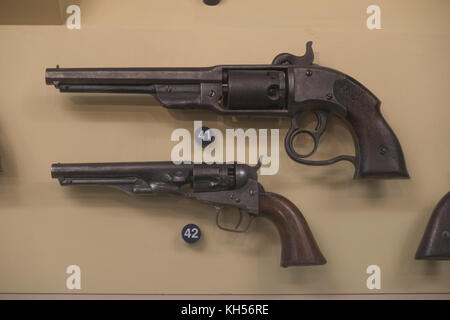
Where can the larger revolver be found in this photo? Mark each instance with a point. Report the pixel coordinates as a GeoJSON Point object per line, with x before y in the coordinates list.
{"type": "Point", "coordinates": [287, 87]}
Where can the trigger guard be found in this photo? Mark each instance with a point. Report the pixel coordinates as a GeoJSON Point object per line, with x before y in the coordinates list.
{"type": "Point", "coordinates": [219, 212]}
{"type": "Point", "coordinates": [294, 155]}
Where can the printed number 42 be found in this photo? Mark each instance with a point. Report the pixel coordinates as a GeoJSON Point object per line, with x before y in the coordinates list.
{"type": "Point", "coordinates": [191, 233]}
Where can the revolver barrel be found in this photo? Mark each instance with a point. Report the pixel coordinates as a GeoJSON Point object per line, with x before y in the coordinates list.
{"type": "Point", "coordinates": [131, 76]}
{"type": "Point", "coordinates": [128, 80]}
{"type": "Point", "coordinates": [114, 169]}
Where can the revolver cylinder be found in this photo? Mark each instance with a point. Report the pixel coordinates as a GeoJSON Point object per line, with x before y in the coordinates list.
{"type": "Point", "coordinates": [255, 89]}
{"type": "Point", "coordinates": [220, 177]}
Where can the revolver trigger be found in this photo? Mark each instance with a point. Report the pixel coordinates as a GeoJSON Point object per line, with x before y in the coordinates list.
{"type": "Point", "coordinates": [240, 219]}
{"type": "Point", "coordinates": [236, 228]}
{"type": "Point", "coordinates": [322, 118]}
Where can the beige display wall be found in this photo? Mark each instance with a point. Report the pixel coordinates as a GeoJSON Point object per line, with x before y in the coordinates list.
{"type": "Point", "coordinates": [126, 244]}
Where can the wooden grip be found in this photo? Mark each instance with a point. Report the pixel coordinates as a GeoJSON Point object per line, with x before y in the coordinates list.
{"type": "Point", "coordinates": [378, 152]}
{"type": "Point", "coordinates": [435, 244]}
{"type": "Point", "coordinates": [298, 246]}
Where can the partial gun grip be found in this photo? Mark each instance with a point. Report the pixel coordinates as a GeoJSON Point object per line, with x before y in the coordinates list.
{"type": "Point", "coordinates": [378, 151]}
{"type": "Point", "coordinates": [298, 246]}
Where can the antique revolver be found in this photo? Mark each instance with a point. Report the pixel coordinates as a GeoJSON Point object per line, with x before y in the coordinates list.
{"type": "Point", "coordinates": [221, 185]}
{"type": "Point", "coordinates": [435, 244]}
{"type": "Point", "coordinates": [287, 87]}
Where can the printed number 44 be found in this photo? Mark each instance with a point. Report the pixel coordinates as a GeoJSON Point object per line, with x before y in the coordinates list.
{"type": "Point", "coordinates": [204, 135]}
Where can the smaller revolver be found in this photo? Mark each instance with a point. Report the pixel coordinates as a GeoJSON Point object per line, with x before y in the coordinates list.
{"type": "Point", "coordinates": [221, 185]}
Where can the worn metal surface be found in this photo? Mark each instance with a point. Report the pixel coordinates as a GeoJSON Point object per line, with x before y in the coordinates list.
{"type": "Point", "coordinates": [287, 87]}
{"type": "Point", "coordinates": [221, 185]}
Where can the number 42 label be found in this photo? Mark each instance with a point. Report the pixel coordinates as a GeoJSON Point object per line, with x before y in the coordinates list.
{"type": "Point", "coordinates": [191, 233]}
